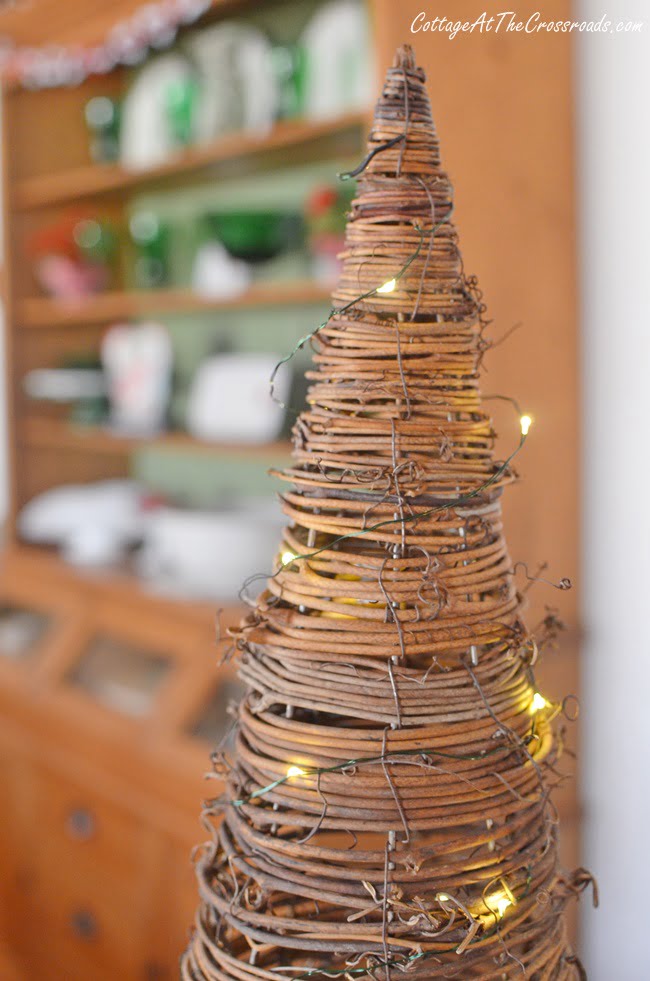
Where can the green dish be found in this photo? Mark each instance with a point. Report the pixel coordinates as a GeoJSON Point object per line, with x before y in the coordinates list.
{"type": "Point", "coordinates": [255, 235]}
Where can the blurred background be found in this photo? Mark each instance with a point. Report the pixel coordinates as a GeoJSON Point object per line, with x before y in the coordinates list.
{"type": "Point", "coordinates": [171, 223]}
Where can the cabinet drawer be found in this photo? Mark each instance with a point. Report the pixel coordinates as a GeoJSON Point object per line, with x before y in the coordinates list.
{"type": "Point", "coordinates": [84, 833]}
{"type": "Point", "coordinates": [86, 884]}
{"type": "Point", "coordinates": [85, 929]}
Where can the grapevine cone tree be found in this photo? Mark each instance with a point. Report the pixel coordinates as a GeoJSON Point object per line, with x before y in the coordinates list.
{"type": "Point", "coordinates": [386, 814]}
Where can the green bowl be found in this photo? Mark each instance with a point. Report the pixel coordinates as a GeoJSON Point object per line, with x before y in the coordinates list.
{"type": "Point", "coordinates": [254, 235]}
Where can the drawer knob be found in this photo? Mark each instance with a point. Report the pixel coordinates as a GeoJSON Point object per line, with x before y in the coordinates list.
{"type": "Point", "coordinates": [80, 824]}
{"type": "Point", "coordinates": [84, 924]}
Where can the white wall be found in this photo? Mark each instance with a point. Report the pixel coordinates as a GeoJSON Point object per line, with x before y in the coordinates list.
{"type": "Point", "coordinates": [614, 178]}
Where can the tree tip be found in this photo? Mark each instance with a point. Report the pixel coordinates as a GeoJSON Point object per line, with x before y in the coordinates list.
{"type": "Point", "coordinates": [404, 57]}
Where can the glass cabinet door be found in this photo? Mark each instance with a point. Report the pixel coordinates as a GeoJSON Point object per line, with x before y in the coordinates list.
{"type": "Point", "coordinates": [22, 630]}
{"type": "Point", "coordinates": [120, 675]}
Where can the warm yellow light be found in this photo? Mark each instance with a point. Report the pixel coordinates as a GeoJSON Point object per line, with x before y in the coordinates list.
{"type": "Point", "coordinates": [388, 286]}
{"type": "Point", "coordinates": [288, 557]}
{"type": "Point", "coordinates": [498, 902]}
{"type": "Point", "coordinates": [538, 703]}
{"type": "Point", "coordinates": [501, 905]}
{"type": "Point", "coordinates": [526, 422]}
{"type": "Point", "coordinates": [295, 771]}
{"type": "Point", "coordinates": [442, 897]}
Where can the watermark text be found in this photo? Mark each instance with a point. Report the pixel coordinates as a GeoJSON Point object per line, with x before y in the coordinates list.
{"type": "Point", "coordinates": [508, 22]}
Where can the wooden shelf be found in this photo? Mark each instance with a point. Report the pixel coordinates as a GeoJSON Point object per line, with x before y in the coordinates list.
{"type": "Point", "coordinates": [94, 179]}
{"type": "Point", "coordinates": [121, 584]}
{"type": "Point", "coordinates": [48, 433]}
{"type": "Point", "coordinates": [39, 312]}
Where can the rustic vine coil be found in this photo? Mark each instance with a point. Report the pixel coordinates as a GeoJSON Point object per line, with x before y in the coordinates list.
{"type": "Point", "coordinates": [387, 811]}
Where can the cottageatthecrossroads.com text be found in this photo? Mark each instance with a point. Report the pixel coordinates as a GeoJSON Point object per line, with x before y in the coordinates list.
{"type": "Point", "coordinates": [508, 22]}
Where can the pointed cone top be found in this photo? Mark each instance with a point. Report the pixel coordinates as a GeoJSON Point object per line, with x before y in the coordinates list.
{"type": "Point", "coordinates": [400, 227]}
{"type": "Point", "coordinates": [404, 58]}
{"type": "Point", "coordinates": [403, 109]}
{"type": "Point", "coordinates": [395, 383]}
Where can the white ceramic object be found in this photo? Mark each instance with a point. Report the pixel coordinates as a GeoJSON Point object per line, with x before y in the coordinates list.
{"type": "Point", "coordinates": [238, 89]}
{"type": "Point", "coordinates": [137, 361]}
{"type": "Point", "coordinates": [92, 523]}
{"type": "Point", "coordinates": [92, 545]}
{"type": "Point", "coordinates": [145, 135]}
{"type": "Point", "coordinates": [339, 66]}
{"type": "Point", "coordinates": [208, 555]}
{"type": "Point", "coordinates": [64, 384]}
{"type": "Point", "coordinates": [216, 275]}
{"type": "Point", "coordinates": [230, 399]}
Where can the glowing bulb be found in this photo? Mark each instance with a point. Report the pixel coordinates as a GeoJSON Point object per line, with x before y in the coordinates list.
{"type": "Point", "coordinates": [442, 897]}
{"type": "Point", "coordinates": [538, 703]}
{"type": "Point", "coordinates": [526, 422]}
{"type": "Point", "coordinates": [288, 557]}
{"type": "Point", "coordinates": [388, 286]}
{"type": "Point", "coordinates": [295, 771]}
{"type": "Point", "coordinates": [500, 901]}
{"type": "Point", "coordinates": [502, 905]}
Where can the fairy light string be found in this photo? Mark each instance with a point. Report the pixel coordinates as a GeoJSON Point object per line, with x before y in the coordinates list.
{"type": "Point", "coordinates": [342, 310]}
{"type": "Point", "coordinates": [407, 519]}
{"type": "Point", "coordinates": [401, 963]}
{"type": "Point", "coordinates": [295, 771]}
{"type": "Point", "coordinates": [386, 809]}
{"type": "Point", "coordinates": [350, 174]}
